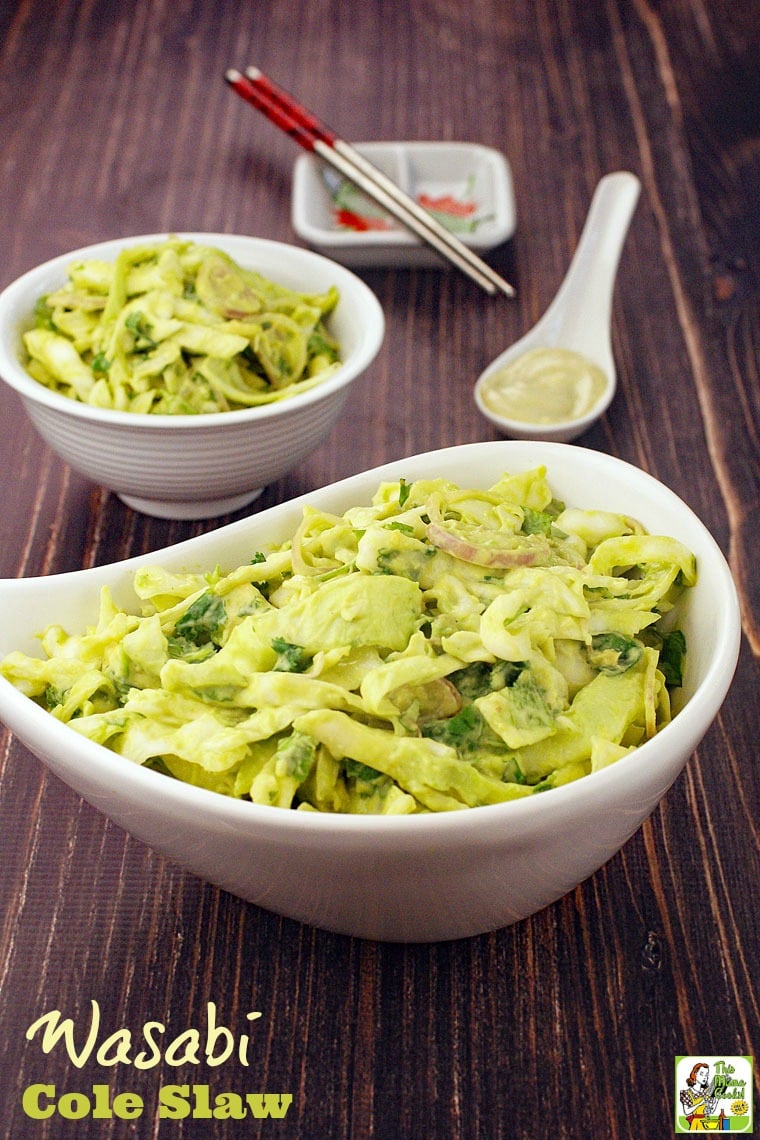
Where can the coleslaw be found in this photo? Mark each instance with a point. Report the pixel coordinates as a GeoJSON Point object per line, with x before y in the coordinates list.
{"type": "Point", "coordinates": [177, 328]}
{"type": "Point", "coordinates": [435, 649]}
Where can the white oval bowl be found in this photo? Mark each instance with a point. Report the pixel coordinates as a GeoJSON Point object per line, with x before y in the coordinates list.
{"type": "Point", "coordinates": [410, 878]}
{"type": "Point", "coordinates": [205, 465]}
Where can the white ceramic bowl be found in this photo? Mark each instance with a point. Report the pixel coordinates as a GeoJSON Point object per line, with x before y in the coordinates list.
{"type": "Point", "coordinates": [408, 878]}
{"type": "Point", "coordinates": [204, 465]}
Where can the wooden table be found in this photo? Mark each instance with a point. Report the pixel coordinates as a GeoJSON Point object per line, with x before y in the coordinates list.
{"type": "Point", "coordinates": [116, 120]}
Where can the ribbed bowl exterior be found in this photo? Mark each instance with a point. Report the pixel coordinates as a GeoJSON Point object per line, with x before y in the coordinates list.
{"type": "Point", "coordinates": [192, 463]}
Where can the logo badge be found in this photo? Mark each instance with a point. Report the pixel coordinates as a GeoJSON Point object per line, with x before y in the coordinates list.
{"type": "Point", "coordinates": [713, 1094]}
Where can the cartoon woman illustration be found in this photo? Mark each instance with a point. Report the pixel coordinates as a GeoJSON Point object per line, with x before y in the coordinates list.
{"type": "Point", "coordinates": [697, 1098]}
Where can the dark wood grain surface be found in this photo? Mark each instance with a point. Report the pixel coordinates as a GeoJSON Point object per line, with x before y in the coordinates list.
{"type": "Point", "coordinates": [115, 119]}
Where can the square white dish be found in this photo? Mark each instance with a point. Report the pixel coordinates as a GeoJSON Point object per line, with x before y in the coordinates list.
{"type": "Point", "coordinates": [467, 185]}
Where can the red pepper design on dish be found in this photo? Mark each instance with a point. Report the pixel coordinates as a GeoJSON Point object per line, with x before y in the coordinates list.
{"type": "Point", "coordinates": [353, 210]}
{"type": "Point", "coordinates": [350, 220]}
{"type": "Point", "coordinates": [448, 204]}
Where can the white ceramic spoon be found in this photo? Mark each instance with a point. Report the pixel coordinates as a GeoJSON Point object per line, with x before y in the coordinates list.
{"type": "Point", "coordinates": [579, 316]}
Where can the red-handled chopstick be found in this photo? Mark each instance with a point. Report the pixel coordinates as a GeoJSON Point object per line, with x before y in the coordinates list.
{"type": "Point", "coordinates": [313, 135]}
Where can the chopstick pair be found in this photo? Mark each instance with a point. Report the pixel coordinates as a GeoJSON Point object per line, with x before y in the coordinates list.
{"type": "Point", "coordinates": [311, 134]}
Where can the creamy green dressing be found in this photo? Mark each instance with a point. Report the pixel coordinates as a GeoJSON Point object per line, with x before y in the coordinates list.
{"type": "Point", "coordinates": [545, 386]}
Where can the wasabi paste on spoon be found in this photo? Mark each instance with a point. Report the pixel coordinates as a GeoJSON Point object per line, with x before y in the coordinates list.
{"type": "Point", "coordinates": [545, 386]}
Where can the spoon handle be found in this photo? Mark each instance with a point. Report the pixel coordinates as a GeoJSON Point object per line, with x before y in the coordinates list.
{"type": "Point", "coordinates": [587, 288]}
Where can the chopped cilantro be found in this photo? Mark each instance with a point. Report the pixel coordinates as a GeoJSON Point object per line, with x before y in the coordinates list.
{"type": "Point", "coordinates": [672, 657]}
{"type": "Point", "coordinates": [613, 653]}
{"type": "Point", "coordinates": [53, 697]}
{"type": "Point", "coordinates": [181, 647]}
{"type": "Point", "coordinates": [295, 756]}
{"type": "Point", "coordinates": [355, 770]}
{"type": "Point", "coordinates": [479, 678]}
{"type": "Point", "coordinates": [513, 773]}
{"type": "Point", "coordinates": [290, 658]}
{"type": "Point", "coordinates": [43, 315]}
{"type": "Point", "coordinates": [319, 345]}
{"type": "Point", "coordinates": [536, 522]}
{"type": "Point", "coordinates": [462, 731]}
{"type": "Point", "coordinates": [202, 620]}
{"type": "Point", "coordinates": [141, 330]}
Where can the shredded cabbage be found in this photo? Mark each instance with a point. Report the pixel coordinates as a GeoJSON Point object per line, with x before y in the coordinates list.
{"type": "Point", "coordinates": [178, 329]}
{"type": "Point", "coordinates": [424, 652]}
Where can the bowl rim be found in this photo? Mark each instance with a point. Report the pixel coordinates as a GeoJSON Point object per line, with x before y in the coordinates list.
{"type": "Point", "coordinates": [137, 779]}
{"type": "Point", "coordinates": [14, 375]}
